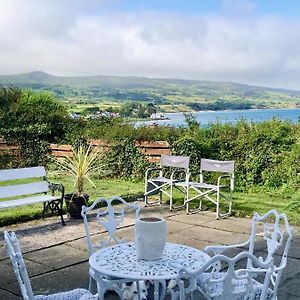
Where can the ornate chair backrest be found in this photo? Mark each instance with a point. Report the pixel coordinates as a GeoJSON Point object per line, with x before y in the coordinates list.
{"type": "Point", "coordinates": [230, 279]}
{"type": "Point", "coordinates": [108, 217]}
{"type": "Point", "coordinates": [277, 234]}
{"type": "Point", "coordinates": [14, 251]}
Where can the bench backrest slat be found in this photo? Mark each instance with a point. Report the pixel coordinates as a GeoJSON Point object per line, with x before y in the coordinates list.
{"type": "Point", "coordinates": [23, 189]}
{"type": "Point", "coordinates": [23, 173]}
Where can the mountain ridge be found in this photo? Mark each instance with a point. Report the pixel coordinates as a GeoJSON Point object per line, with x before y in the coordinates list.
{"type": "Point", "coordinates": [169, 94]}
{"type": "Point", "coordinates": [90, 80]}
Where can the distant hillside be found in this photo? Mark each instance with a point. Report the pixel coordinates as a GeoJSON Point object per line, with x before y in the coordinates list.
{"type": "Point", "coordinates": [195, 94]}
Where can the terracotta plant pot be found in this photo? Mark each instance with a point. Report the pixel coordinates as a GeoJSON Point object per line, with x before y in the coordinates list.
{"type": "Point", "coordinates": [74, 204]}
{"type": "Point", "coordinates": [150, 237]}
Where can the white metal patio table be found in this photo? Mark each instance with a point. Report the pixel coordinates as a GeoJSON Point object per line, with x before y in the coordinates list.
{"type": "Point", "coordinates": [120, 261]}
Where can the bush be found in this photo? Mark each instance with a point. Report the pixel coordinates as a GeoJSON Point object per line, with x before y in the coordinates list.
{"type": "Point", "coordinates": [32, 121]}
{"type": "Point", "coordinates": [126, 161]}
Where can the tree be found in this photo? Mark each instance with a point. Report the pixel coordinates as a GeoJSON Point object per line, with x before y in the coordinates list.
{"type": "Point", "coordinates": [33, 121]}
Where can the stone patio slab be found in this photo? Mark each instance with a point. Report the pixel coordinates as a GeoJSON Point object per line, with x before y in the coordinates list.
{"type": "Point", "coordinates": [57, 257]}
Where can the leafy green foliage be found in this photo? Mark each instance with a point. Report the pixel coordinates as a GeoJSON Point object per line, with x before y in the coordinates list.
{"type": "Point", "coordinates": [138, 110]}
{"type": "Point", "coordinates": [126, 160]}
{"type": "Point", "coordinates": [32, 121]}
{"type": "Point", "coordinates": [84, 162]}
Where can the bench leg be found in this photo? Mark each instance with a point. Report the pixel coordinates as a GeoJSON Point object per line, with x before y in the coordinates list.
{"type": "Point", "coordinates": [61, 212]}
{"type": "Point", "coordinates": [56, 206]}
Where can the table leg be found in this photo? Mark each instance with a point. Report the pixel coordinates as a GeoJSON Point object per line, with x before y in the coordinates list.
{"type": "Point", "coordinates": [156, 290]}
{"type": "Point", "coordinates": [163, 289]}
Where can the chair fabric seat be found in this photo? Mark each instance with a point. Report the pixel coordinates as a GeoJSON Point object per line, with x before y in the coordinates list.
{"type": "Point", "coordinates": [163, 179]}
{"type": "Point", "coordinates": [203, 281]}
{"type": "Point", "coordinates": [203, 185]}
{"type": "Point", "coordinates": [77, 294]}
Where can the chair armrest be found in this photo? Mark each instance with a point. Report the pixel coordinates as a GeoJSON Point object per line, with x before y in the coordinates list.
{"type": "Point", "coordinates": [222, 177]}
{"type": "Point", "coordinates": [178, 172]}
{"type": "Point", "coordinates": [220, 249]}
{"type": "Point", "coordinates": [149, 170]}
{"type": "Point", "coordinates": [53, 187]}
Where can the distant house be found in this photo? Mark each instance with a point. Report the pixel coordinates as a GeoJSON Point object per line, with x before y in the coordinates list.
{"type": "Point", "coordinates": [74, 116]}
{"type": "Point", "coordinates": [103, 114]}
{"type": "Point", "coordinates": [157, 116]}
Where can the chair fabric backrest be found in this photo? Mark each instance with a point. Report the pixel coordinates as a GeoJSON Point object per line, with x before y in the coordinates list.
{"type": "Point", "coordinates": [227, 278]}
{"type": "Point", "coordinates": [108, 217]}
{"type": "Point", "coordinates": [217, 165]}
{"type": "Point", "coordinates": [14, 251]}
{"type": "Point", "coordinates": [277, 234]}
{"type": "Point", "coordinates": [175, 161]}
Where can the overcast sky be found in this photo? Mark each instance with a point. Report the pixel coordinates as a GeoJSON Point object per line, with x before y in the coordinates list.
{"type": "Point", "coordinates": [253, 42]}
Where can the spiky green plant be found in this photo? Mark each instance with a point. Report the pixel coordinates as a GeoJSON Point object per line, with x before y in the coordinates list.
{"type": "Point", "coordinates": [84, 162]}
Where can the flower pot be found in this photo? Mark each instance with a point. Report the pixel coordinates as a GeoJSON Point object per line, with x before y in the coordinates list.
{"type": "Point", "coordinates": [150, 238]}
{"type": "Point", "coordinates": [74, 204]}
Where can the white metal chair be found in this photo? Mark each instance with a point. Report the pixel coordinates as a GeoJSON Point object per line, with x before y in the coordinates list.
{"type": "Point", "coordinates": [206, 190]}
{"type": "Point", "coordinates": [227, 278]}
{"type": "Point", "coordinates": [178, 168]}
{"type": "Point", "coordinates": [276, 236]}
{"type": "Point", "coordinates": [14, 251]}
{"type": "Point", "coordinates": [110, 214]}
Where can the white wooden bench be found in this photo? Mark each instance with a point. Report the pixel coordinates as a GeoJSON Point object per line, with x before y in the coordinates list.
{"type": "Point", "coordinates": [39, 190]}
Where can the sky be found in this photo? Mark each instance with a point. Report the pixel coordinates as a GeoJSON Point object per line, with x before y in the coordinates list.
{"type": "Point", "coordinates": [247, 41]}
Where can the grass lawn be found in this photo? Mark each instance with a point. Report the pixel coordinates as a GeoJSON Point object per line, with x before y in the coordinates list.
{"type": "Point", "coordinates": [244, 204]}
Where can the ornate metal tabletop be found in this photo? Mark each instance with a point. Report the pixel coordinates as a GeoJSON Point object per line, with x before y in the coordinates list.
{"type": "Point", "coordinates": [120, 261]}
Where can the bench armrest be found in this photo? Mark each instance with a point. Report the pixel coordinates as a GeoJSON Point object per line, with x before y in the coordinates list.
{"type": "Point", "coordinates": [53, 187]}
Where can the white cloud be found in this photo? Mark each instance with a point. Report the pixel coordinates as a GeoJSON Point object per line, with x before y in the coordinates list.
{"type": "Point", "coordinates": [83, 38]}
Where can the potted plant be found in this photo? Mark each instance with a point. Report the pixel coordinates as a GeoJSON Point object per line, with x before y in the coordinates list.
{"type": "Point", "coordinates": [82, 164]}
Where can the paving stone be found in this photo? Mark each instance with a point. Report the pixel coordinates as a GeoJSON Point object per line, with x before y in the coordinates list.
{"type": "Point", "coordinates": [7, 275]}
{"type": "Point", "coordinates": [292, 288]}
{"type": "Point", "coordinates": [177, 238]}
{"type": "Point", "coordinates": [126, 233]}
{"type": "Point", "coordinates": [231, 224]}
{"type": "Point", "coordinates": [62, 280]}
{"type": "Point", "coordinates": [295, 246]}
{"type": "Point", "coordinates": [214, 236]}
{"type": "Point", "coordinates": [6, 295]}
{"type": "Point", "coordinates": [57, 257]}
{"type": "Point", "coordinates": [199, 218]}
{"type": "Point", "coordinates": [81, 244]}
{"type": "Point", "coordinates": [174, 227]}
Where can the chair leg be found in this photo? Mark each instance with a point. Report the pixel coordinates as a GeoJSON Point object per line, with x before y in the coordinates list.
{"type": "Point", "coordinates": [218, 204]}
{"type": "Point", "coordinates": [61, 213]}
{"type": "Point", "coordinates": [171, 197]}
{"type": "Point", "coordinates": [187, 208]}
{"type": "Point", "coordinates": [230, 203]}
{"type": "Point", "coordinates": [90, 284]}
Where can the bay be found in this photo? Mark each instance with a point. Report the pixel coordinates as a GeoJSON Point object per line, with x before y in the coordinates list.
{"type": "Point", "coordinates": [227, 116]}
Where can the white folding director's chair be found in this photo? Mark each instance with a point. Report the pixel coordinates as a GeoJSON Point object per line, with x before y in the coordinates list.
{"type": "Point", "coordinates": [163, 183]}
{"type": "Point", "coordinates": [206, 190]}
